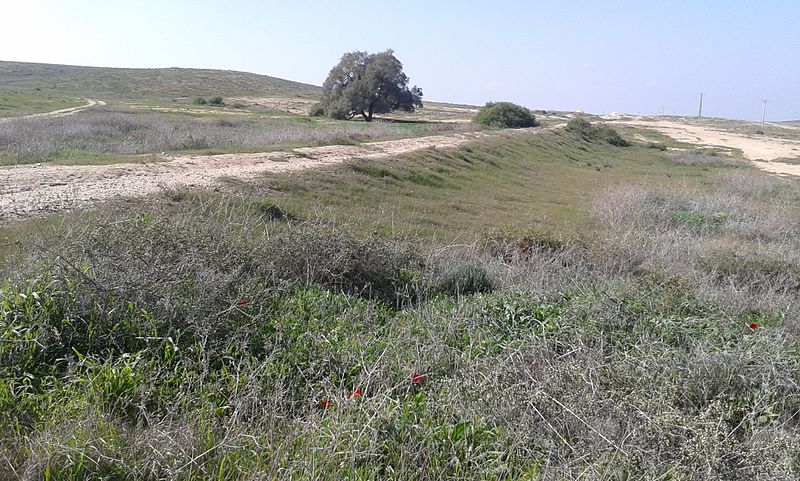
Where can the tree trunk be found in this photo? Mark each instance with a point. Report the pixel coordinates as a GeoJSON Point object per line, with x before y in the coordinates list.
{"type": "Point", "coordinates": [368, 116]}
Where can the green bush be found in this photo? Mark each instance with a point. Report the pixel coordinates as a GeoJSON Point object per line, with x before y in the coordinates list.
{"type": "Point", "coordinates": [505, 115]}
{"type": "Point", "coordinates": [466, 279]}
{"type": "Point", "coordinates": [200, 101]}
{"type": "Point", "coordinates": [216, 101]}
{"type": "Point", "coordinates": [317, 110]}
{"type": "Point", "coordinates": [272, 211]}
{"type": "Point", "coordinates": [596, 133]}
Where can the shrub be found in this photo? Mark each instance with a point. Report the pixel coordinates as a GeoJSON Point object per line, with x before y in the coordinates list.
{"type": "Point", "coordinates": [466, 279]}
{"type": "Point", "coordinates": [599, 133]}
{"type": "Point", "coordinates": [580, 126]}
{"type": "Point", "coordinates": [752, 271]}
{"type": "Point", "coordinates": [657, 146]}
{"type": "Point", "coordinates": [200, 101]}
{"type": "Point", "coordinates": [508, 244]}
{"type": "Point", "coordinates": [317, 110]}
{"type": "Point", "coordinates": [272, 211]}
{"type": "Point", "coordinates": [505, 115]}
{"type": "Point", "coordinates": [216, 101]}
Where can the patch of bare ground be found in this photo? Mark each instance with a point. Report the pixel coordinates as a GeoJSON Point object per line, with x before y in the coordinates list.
{"type": "Point", "coordinates": [761, 150]}
{"type": "Point", "coordinates": [36, 190]}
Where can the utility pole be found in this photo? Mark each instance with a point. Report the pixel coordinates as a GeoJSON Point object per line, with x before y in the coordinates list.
{"type": "Point", "coordinates": [763, 114]}
{"type": "Point", "coordinates": [700, 112]}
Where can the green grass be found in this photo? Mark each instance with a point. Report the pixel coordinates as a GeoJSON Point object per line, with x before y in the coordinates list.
{"type": "Point", "coordinates": [15, 103]}
{"type": "Point", "coordinates": [536, 180]}
{"type": "Point", "coordinates": [142, 85]}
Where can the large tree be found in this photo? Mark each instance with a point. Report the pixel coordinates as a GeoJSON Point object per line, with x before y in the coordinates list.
{"type": "Point", "coordinates": [368, 83]}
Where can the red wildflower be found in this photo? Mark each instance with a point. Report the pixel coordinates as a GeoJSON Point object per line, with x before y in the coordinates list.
{"type": "Point", "coordinates": [417, 379]}
{"type": "Point", "coordinates": [354, 393]}
{"type": "Point", "coordinates": [243, 302]}
{"type": "Point", "coordinates": [754, 326]}
{"type": "Point", "coordinates": [325, 404]}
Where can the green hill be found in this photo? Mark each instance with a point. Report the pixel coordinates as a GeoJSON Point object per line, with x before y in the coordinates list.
{"type": "Point", "coordinates": [31, 87]}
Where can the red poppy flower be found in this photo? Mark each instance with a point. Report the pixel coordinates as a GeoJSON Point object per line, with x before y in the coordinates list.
{"type": "Point", "coordinates": [417, 379]}
{"type": "Point", "coordinates": [243, 302]}
{"type": "Point", "coordinates": [354, 393]}
{"type": "Point", "coordinates": [754, 326]}
{"type": "Point", "coordinates": [325, 404]}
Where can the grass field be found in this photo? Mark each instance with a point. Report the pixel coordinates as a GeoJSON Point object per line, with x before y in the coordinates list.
{"type": "Point", "coordinates": [13, 103]}
{"type": "Point", "coordinates": [524, 307]}
{"type": "Point", "coordinates": [108, 133]}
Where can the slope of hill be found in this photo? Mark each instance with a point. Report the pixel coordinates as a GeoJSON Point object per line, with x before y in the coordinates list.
{"type": "Point", "coordinates": [30, 87]}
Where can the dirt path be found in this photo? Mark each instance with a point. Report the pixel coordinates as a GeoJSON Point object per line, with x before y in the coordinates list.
{"type": "Point", "coordinates": [58, 113]}
{"type": "Point", "coordinates": [37, 190]}
{"type": "Point", "coordinates": [761, 150]}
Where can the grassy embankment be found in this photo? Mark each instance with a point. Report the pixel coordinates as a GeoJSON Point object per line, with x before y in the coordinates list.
{"type": "Point", "coordinates": [198, 336]}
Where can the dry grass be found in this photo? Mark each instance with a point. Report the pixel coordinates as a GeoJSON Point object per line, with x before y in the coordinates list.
{"type": "Point", "coordinates": [127, 132]}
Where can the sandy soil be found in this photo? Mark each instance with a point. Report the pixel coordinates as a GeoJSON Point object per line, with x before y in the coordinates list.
{"type": "Point", "coordinates": [58, 113]}
{"type": "Point", "coordinates": [761, 150]}
{"type": "Point", "coordinates": [36, 190]}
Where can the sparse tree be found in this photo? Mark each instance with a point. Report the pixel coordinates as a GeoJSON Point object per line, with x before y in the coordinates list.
{"type": "Point", "coordinates": [365, 84]}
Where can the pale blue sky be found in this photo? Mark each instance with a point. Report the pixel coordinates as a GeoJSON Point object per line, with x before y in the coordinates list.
{"type": "Point", "coordinates": [598, 56]}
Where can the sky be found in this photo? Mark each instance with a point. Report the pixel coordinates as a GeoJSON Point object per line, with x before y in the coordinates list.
{"type": "Point", "coordinates": [639, 57]}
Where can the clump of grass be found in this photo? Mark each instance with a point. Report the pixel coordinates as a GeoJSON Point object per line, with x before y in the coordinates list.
{"type": "Point", "coordinates": [707, 160]}
{"type": "Point", "coordinates": [272, 211]}
{"type": "Point", "coordinates": [466, 279]}
{"type": "Point", "coordinates": [656, 146]}
{"type": "Point", "coordinates": [754, 272]}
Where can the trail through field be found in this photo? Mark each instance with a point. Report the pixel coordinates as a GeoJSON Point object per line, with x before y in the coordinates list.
{"type": "Point", "coordinates": [40, 189]}
{"type": "Point", "coordinates": [761, 150]}
{"type": "Point", "coordinates": [58, 113]}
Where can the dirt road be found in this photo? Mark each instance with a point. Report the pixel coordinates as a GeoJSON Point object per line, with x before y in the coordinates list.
{"type": "Point", "coordinates": [762, 150]}
{"type": "Point", "coordinates": [58, 113]}
{"type": "Point", "coordinates": [37, 190]}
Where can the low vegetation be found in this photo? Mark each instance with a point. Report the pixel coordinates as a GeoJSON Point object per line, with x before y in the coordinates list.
{"type": "Point", "coordinates": [265, 336]}
{"type": "Point", "coordinates": [596, 132]}
{"type": "Point", "coordinates": [505, 115]}
{"type": "Point", "coordinates": [516, 180]}
{"type": "Point", "coordinates": [119, 132]}
{"type": "Point", "coordinates": [37, 82]}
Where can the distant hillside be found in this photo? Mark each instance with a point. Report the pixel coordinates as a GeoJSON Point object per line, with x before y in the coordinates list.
{"type": "Point", "coordinates": [137, 84]}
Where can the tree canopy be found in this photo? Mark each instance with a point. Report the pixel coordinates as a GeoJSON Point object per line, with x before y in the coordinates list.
{"type": "Point", "coordinates": [364, 84]}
